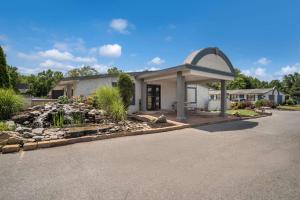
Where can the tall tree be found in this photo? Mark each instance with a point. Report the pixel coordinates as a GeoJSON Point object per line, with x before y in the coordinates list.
{"type": "Point", "coordinates": [84, 71]}
{"type": "Point", "coordinates": [126, 87]}
{"type": "Point", "coordinates": [4, 78]}
{"type": "Point", "coordinates": [13, 76]}
{"type": "Point", "coordinates": [114, 71]}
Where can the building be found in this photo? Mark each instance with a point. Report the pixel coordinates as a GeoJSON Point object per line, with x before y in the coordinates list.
{"type": "Point", "coordinates": [252, 95]}
{"type": "Point", "coordinates": [172, 88]}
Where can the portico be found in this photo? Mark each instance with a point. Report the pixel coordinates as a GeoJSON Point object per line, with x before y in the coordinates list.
{"type": "Point", "coordinates": [200, 67]}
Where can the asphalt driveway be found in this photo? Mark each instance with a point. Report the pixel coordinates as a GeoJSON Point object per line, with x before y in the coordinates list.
{"type": "Point", "coordinates": [253, 159]}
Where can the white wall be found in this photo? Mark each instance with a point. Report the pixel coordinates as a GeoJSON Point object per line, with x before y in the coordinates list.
{"type": "Point", "coordinates": [88, 86]}
{"type": "Point", "coordinates": [202, 95]}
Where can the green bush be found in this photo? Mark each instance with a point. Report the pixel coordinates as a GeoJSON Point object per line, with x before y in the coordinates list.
{"type": "Point", "coordinates": [63, 99]}
{"type": "Point", "coordinates": [5, 127]}
{"type": "Point", "coordinates": [241, 105]}
{"type": "Point", "coordinates": [58, 119]}
{"type": "Point", "coordinates": [290, 102]}
{"type": "Point", "coordinates": [126, 88]}
{"type": "Point", "coordinates": [109, 100]}
{"type": "Point", "coordinates": [117, 111]}
{"type": "Point", "coordinates": [264, 103]}
{"type": "Point", "coordinates": [10, 103]}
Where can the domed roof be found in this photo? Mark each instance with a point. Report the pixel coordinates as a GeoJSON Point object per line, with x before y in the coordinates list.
{"type": "Point", "coordinates": [210, 57]}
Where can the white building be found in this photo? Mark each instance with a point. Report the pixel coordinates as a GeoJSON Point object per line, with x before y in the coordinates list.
{"type": "Point", "coordinates": [172, 88]}
{"type": "Point", "coordinates": [252, 95]}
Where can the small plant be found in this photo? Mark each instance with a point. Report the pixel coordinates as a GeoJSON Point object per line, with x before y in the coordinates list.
{"type": "Point", "coordinates": [5, 127]}
{"type": "Point", "coordinates": [58, 119]}
{"type": "Point", "coordinates": [77, 118]}
{"type": "Point", "coordinates": [63, 99]}
{"type": "Point", "coordinates": [117, 111]}
{"type": "Point", "coordinates": [10, 103]}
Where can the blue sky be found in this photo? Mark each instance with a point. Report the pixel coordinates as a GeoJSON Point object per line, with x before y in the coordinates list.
{"type": "Point", "coordinates": [262, 38]}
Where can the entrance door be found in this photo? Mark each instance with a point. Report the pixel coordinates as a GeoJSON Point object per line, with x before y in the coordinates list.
{"type": "Point", "coordinates": [153, 97]}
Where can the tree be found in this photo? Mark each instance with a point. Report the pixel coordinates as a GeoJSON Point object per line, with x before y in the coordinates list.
{"type": "Point", "coordinates": [84, 71]}
{"type": "Point", "coordinates": [291, 85]}
{"type": "Point", "coordinates": [114, 71]}
{"type": "Point", "coordinates": [41, 84]}
{"type": "Point", "coordinates": [126, 87]}
{"type": "Point", "coordinates": [13, 76]}
{"type": "Point", "coordinates": [4, 78]}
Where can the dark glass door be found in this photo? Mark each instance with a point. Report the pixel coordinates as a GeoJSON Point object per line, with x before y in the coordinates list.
{"type": "Point", "coordinates": [153, 97]}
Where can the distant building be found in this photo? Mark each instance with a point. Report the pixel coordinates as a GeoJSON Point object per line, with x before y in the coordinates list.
{"type": "Point", "coordinates": [252, 95]}
{"type": "Point", "coordinates": [22, 87]}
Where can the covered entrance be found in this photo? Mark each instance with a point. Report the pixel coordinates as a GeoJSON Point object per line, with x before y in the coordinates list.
{"type": "Point", "coordinates": [167, 88]}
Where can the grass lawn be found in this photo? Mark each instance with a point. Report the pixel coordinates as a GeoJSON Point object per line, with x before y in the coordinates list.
{"type": "Point", "coordinates": [286, 107]}
{"type": "Point", "coordinates": [243, 112]}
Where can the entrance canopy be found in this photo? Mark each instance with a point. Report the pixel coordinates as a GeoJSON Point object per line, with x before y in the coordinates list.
{"type": "Point", "coordinates": [204, 64]}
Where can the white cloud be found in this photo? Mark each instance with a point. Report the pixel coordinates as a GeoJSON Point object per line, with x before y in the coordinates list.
{"type": "Point", "coordinates": [247, 72]}
{"type": "Point", "coordinates": [56, 54]}
{"type": "Point", "coordinates": [71, 45]}
{"type": "Point", "coordinates": [100, 68]}
{"type": "Point", "coordinates": [119, 25]}
{"type": "Point", "coordinates": [290, 69]}
{"type": "Point", "coordinates": [263, 61]}
{"type": "Point", "coordinates": [63, 46]}
{"type": "Point", "coordinates": [54, 65]}
{"type": "Point", "coordinates": [156, 61]}
{"type": "Point", "coordinates": [110, 50]}
{"type": "Point", "coordinates": [260, 72]}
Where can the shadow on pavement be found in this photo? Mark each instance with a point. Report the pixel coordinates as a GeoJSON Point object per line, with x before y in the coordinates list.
{"type": "Point", "coordinates": [228, 126]}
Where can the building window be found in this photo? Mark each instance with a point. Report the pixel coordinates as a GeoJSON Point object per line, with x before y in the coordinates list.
{"type": "Point", "coordinates": [242, 96]}
{"type": "Point", "coordinates": [114, 84]}
{"type": "Point", "coordinates": [260, 96]}
{"type": "Point", "coordinates": [212, 97]}
{"type": "Point", "coordinates": [271, 97]}
{"type": "Point", "coordinates": [250, 97]}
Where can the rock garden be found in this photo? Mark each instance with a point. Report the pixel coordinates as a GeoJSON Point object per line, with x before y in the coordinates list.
{"type": "Point", "coordinates": [102, 115]}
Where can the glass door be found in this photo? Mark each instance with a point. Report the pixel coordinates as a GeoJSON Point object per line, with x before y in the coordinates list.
{"type": "Point", "coordinates": [153, 97]}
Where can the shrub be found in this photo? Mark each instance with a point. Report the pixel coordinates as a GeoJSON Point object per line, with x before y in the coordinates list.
{"type": "Point", "coordinates": [290, 102]}
{"type": "Point", "coordinates": [126, 87]}
{"type": "Point", "coordinates": [264, 103]}
{"type": "Point", "coordinates": [4, 127]}
{"type": "Point", "coordinates": [109, 100]}
{"type": "Point", "coordinates": [242, 105]}
{"type": "Point", "coordinates": [117, 111]}
{"type": "Point", "coordinates": [10, 103]}
{"type": "Point", "coordinates": [77, 118]}
{"type": "Point", "coordinates": [63, 99]}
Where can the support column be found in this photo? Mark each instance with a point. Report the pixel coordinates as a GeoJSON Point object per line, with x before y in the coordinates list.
{"type": "Point", "coordinates": [143, 95]}
{"type": "Point", "coordinates": [69, 91]}
{"type": "Point", "coordinates": [180, 96]}
{"type": "Point", "coordinates": [223, 98]}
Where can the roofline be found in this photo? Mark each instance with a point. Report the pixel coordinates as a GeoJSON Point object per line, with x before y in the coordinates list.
{"type": "Point", "coordinates": [270, 89]}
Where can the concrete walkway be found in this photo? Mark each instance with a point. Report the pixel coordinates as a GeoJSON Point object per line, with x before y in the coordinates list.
{"type": "Point", "coordinates": [252, 159]}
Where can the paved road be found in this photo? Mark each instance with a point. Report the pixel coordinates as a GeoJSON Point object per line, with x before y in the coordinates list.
{"type": "Point", "coordinates": [255, 159]}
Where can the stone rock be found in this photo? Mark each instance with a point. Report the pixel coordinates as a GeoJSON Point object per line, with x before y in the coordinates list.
{"type": "Point", "coordinates": [38, 131]}
{"type": "Point", "coordinates": [30, 146]}
{"type": "Point", "coordinates": [4, 135]}
{"type": "Point", "coordinates": [14, 140]}
{"type": "Point", "coordinates": [93, 112]}
{"type": "Point", "coordinates": [21, 118]}
{"type": "Point", "coordinates": [53, 137]}
{"type": "Point", "coordinates": [26, 123]}
{"type": "Point", "coordinates": [38, 138]}
{"type": "Point", "coordinates": [28, 135]}
{"type": "Point", "coordinates": [11, 148]}
{"type": "Point", "coordinates": [22, 129]}
{"type": "Point", "coordinates": [161, 119]}
{"type": "Point", "coordinates": [35, 113]}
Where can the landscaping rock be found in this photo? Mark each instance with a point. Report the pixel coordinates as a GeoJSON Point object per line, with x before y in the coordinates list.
{"type": "Point", "coordinates": [14, 140]}
{"type": "Point", "coordinates": [22, 129]}
{"type": "Point", "coordinates": [161, 119]}
{"type": "Point", "coordinates": [30, 146]}
{"type": "Point", "coordinates": [38, 131]}
{"type": "Point", "coordinates": [11, 148]}
{"type": "Point", "coordinates": [38, 138]}
{"type": "Point", "coordinates": [21, 118]}
{"type": "Point", "coordinates": [28, 135]}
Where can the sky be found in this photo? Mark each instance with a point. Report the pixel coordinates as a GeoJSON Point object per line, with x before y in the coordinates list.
{"type": "Point", "coordinates": [261, 38]}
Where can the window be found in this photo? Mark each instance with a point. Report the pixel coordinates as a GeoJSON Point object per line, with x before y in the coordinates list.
{"type": "Point", "coordinates": [114, 84]}
{"type": "Point", "coordinates": [242, 96]}
{"type": "Point", "coordinates": [250, 97]}
{"type": "Point", "coordinates": [271, 97]}
{"type": "Point", "coordinates": [191, 94]}
{"type": "Point", "coordinates": [212, 97]}
{"type": "Point", "coordinates": [260, 96]}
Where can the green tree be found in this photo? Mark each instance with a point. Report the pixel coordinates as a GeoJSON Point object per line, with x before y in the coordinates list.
{"type": "Point", "coordinates": [126, 88]}
{"type": "Point", "coordinates": [41, 84]}
{"type": "Point", "coordinates": [84, 71]}
{"type": "Point", "coordinates": [291, 85]}
{"type": "Point", "coordinates": [13, 77]}
{"type": "Point", "coordinates": [4, 78]}
{"type": "Point", "coordinates": [114, 71]}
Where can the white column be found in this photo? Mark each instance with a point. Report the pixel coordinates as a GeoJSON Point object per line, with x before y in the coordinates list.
{"type": "Point", "coordinates": [223, 98]}
{"type": "Point", "coordinates": [180, 94]}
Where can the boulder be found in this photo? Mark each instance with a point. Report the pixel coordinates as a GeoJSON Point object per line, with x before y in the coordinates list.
{"type": "Point", "coordinates": [28, 135]}
{"type": "Point", "coordinates": [10, 148]}
{"type": "Point", "coordinates": [14, 140]}
{"type": "Point", "coordinates": [161, 119]}
{"type": "Point", "coordinates": [21, 118]}
{"type": "Point", "coordinates": [38, 138]}
{"type": "Point", "coordinates": [22, 129]}
{"type": "Point", "coordinates": [38, 131]}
